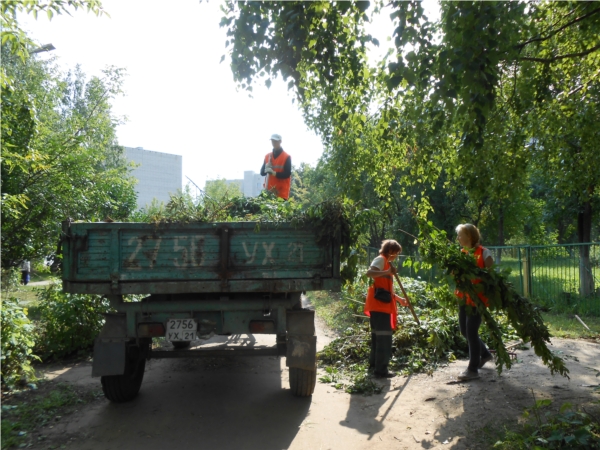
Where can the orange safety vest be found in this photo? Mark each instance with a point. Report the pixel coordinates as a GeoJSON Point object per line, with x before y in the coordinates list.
{"type": "Point", "coordinates": [372, 304]}
{"type": "Point", "coordinates": [281, 185]}
{"type": "Point", "coordinates": [481, 264]}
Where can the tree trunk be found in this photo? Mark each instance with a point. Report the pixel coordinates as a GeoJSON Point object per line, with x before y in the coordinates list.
{"type": "Point", "coordinates": [500, 235]}
{"type": "Point", "coordinates": [584, 233]}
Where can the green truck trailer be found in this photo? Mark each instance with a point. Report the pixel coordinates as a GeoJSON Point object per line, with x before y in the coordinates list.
{"type": "Point", "coordinates": [195, 280]}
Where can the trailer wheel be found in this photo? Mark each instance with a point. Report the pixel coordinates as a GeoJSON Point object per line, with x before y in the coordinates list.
{"type": "Point", "coordinates": [123, 388]}
{"type": "Point", "coordinates": [181, 344]}
{"type": "Point", "coordinates": [302, 381]}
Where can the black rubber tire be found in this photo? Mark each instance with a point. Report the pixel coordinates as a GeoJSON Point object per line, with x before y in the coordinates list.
{"type": "Point", "coordinates": [179, 345]}
{"type": "Point", "coordinates": [124, 388]}
{"type": "Point", "coordinates": [302, 381]}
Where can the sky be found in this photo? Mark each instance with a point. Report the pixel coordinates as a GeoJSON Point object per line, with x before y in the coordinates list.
{"type": "Point", "coordinates": [179, 98]}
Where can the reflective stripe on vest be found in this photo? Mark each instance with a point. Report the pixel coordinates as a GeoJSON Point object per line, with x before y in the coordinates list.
{"type": "Point", "coordinates": [280, 185]}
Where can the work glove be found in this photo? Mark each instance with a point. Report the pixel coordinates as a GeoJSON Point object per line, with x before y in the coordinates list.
{"type": "Point", "coordinates": [269, 169]}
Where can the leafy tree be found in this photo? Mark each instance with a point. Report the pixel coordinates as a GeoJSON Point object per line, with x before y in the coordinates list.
{"type": "Point", "coordinates": [14, 37]}
{"type": "Point", "coordinates": [60, 158]}
{"type": "Point", "coordinates": [219, 190]}
{"type": "Point", "coordinates": [466, 96]}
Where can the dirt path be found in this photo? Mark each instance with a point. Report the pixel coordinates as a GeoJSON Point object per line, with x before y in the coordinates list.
{"type": "Point", "coordinates": [246, 404]}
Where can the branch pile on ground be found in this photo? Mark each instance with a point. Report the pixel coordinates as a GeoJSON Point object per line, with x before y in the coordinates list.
{"type": "Point", "coordinates": [416, 348]}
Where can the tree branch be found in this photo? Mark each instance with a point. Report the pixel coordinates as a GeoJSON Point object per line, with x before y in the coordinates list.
{"type": "Point", "coordinates": [559, 57]}
{"type": "Point", "coordinates": [574, 91]}
{"type": "Point", "coordinates": [539, 39]}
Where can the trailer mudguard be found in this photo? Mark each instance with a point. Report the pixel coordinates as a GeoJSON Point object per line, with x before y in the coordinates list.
{"type": "Point", "coordinates": [302, 352]}
{"type": "Point", "coordinates": [301, 341]}
{"type": "Point", "coordinates": [110, 347]}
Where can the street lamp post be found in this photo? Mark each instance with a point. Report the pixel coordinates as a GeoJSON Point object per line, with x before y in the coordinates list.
{"type": "Point", "coordinates": [43, 48]}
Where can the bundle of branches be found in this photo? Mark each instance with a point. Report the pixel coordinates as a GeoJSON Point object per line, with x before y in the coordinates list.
{"type": "Point", "coordinates": [524, 316]}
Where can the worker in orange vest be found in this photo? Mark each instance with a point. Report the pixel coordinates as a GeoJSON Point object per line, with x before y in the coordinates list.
{"type": "Point", "coordinates": [469, 319]}
{"type": "Point", "coordinates": [277, 169]}
{"type": "Point", "coordinates": [380, 306]}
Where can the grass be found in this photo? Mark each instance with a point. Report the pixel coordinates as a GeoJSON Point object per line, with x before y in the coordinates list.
{"type": "Point", "coordinates": [330, 307]}
{"type": "Point", "coordinates": [567, 326]}
{"type": "Point", "coordinates": [24, 414]}
{"type": "Point", "coordinates": [27, 295]}
{"type": "Point", "coordinates": [555, 280]}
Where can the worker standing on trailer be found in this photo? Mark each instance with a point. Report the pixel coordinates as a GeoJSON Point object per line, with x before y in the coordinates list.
{"type": "Point", "coordinates": [277, 169]}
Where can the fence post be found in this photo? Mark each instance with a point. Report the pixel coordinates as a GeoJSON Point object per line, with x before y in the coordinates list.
{"type": "Point", "coordinates": [526, 273]}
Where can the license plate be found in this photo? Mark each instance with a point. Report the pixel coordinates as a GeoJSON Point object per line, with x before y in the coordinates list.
{"type": "Point", "coordinates": [181, 329]}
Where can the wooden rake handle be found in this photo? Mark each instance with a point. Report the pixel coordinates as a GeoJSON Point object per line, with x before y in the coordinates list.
{"type": "Point", "coordinates": [410, 306]}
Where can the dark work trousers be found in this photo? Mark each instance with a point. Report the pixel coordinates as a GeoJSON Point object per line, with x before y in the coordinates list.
{"type": "Point", "coordinates": [381, 342]}
{"type": "Point", "coordinates": [469, 322]}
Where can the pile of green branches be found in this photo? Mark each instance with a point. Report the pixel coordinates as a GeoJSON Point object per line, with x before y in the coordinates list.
{"type": "Point", "coordinates": [334, 220]}
{"type": "Point", "coordinates": [460, 269]}
{"type": "Point", "coordinates": [415, 348]}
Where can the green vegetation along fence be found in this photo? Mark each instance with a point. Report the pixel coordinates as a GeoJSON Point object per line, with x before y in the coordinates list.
{"type": "Point", "coordinates": [562, 277]}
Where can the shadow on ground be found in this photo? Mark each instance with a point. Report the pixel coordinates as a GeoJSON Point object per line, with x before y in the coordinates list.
{"type": "Point", "coordinates": [220, 403]}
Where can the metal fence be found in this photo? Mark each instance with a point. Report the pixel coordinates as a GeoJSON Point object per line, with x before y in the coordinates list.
{"type": "Point", "coordinates": [563, 277]}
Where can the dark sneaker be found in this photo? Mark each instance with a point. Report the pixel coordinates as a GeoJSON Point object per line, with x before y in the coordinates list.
{"type": "Point", "coordinates": [384, 375]}
{"type": "Point", "coordinates": [485, 359]}
{"type": "Point", "coordinates": [467, 375]}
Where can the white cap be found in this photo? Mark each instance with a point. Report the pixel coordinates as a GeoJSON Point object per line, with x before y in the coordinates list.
{"type": "Point", "coordinates": [275, 137]}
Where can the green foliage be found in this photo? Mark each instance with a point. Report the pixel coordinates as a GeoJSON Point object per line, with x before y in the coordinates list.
{"type": "Point", "coordinates": [311, 185]}
{"type": "Point", "coordinates": [17, 345]}
{"type": "Point", "coordinates": [461, 268]}
{"type": "Point", "coordinates": [416, 348]}
{"type": "Point", "coordinates": [14, 37]}
{"type": "Point", "coordinates": [570, 429]}
{"type": "Point", "coordinates": [492, 106]}
{"type": "Point", "coordinates": [21, 417]}
{"type": "Point", "coordinates": [11, 279]}
{"type": "Point", "coordinates": [362, 383]}
{"type": "Point", "coordinates": [68, 323]}
{"type": "Point", "coordinates": [353, 380]}
{"type": "Point", "coordinates": [60, 158]}
{"type": "Point", "coordinates": [219, 190]}
{"type": "Point", "coordinates": [336, 220]}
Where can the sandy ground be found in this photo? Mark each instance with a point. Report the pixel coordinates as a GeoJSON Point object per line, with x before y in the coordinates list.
{"type": "Point", "coordinates": [245, 403]}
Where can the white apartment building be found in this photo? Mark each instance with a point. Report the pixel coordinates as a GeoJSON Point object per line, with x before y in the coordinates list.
{"type": "Point", "coordinates": [252, 184]}
{"type": "Point", "coordinates": [158, 174]}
